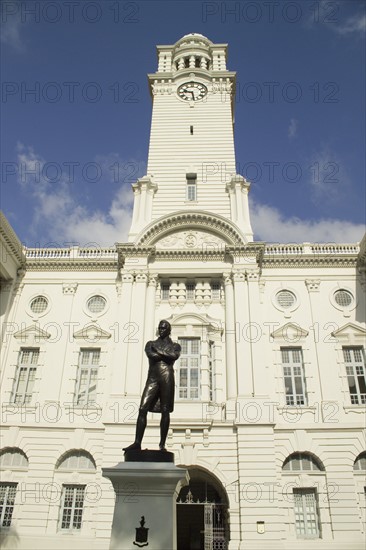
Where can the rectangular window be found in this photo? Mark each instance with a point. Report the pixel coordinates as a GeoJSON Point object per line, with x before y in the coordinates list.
{"type": "Point", "coordinates": [188, 371]}
{"type": "Point", "coordinates": [26, 374]}
{"type": "Point", "coordinates": [165, 289]}
{"type": "Point", "coordinates": [191, 187]}
{"type": "Point", "coordinates": [86, 384]}
{"type": "Point", "coordinates": [215, 291]}
{"type": "Point", "coordinates": [7, 499]}
{"type": "Point", "coordinates": [190, 291]}
{"type": "Point", "coordinates": [355, 368]}
{"type": "Point", "coordinates": [294, 376]}
{"type": "Point", "coordinates": [306, 513]}
{"type": "Point", "coordinates": [72, 507]}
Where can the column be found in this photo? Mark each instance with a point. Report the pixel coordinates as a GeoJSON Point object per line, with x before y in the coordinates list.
{"type": "Point", "coordinates": [150, 328]}
{"type": "Point", "coordinates": [245, 381]}
{"type": "Point", "coordinates": [254, 336]}
{"type": "Point", "coordinates": [247, 228]}
{"type": "Point", "coordinates": [205, 378]}
{"type": "Point", "coordinates": [135, 335]}
{"type": "Point", "coordinates": [144, 190]}
{"type": "Point", "coordinates": [231, 366]}
{"type": "Point", "coordinates": [124, 309]}
{"type": "Point", "coordinates": [238, 189]}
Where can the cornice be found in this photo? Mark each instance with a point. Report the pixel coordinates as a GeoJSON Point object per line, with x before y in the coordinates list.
{"type": "Point", "coordinates": [184, 254]}
{"type": "Point", "coordinates": [132, 251]}
{"type": "Point", "coordinates": [248, 251]}
{"type": "Point", "coordinates": [309, 261]}
{"type": "Point", "coordinates": [11, 240]}
{"type": "Point", "coordinates": [71, 265]}
{"type": "Point", "coordinates": [235, 250]}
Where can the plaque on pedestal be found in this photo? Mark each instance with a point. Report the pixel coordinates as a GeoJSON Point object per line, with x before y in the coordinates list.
{"type": "Point", "coordinates": [148, 490]}
{"type": "Point", "coordinates": [146, 455]}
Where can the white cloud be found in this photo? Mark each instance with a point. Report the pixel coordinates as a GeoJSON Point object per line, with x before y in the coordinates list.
{"type": "Point", "coordinates": [292, 129]}
{"type": "Point", "coordinates": [270, 225]}
{"type": "Point", "coordinates": [59, 218]}
{"type": "Point", "coordinates": [354, 24]}
{"type": "Point", "coordinates": [329, 15]}
{"type": "Point", "coordinates": [11, 25]}
{"type": "Point", "coordinates": [327, 175]}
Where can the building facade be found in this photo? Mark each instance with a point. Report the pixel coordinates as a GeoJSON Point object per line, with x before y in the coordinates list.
{"type": "Point", "coordinates": [269, 416]}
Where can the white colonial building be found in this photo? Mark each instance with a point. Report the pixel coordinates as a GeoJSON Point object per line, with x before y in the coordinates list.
{"type": "Point", "coordinates": [269, 416]}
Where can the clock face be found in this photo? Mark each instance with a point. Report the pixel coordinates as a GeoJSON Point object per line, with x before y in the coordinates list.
{"type": "Point", "coordinates": [192, 91]}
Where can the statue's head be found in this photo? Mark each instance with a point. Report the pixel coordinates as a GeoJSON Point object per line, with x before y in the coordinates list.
{"type": "Point", "coordinates": [164, 328]}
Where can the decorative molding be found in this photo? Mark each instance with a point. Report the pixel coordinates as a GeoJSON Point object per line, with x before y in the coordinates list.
{"type": "Point", "coordinates": [238, 276]}
{"type": "Point", "coordinates": [310, 255]}
{"type": "Point", "coordinates": [88, 264]}
{"type": "Point", "coordinates": [147, 182]}
{"type": "Point", "coordinates": [153, 279]}
{"type": "Point", "coordinates": [253, 275]}
{"type": "Point", "coordinates": [213, 223]}
{"type": "Point", "coordinates": [92, 333]}
{"type": "Point", "coordinates": [312, 285]}
{"type": "Point", "coordinates": [127, 277]}
{"type": "Point", "coordinates": [350, 333]}
{"type": "Point", "coordinates": [191, 239]}
{"type": "Point", "coordinates": [196, 319]}
{"type": "Point", "coordinates": [69, 288]}
{"type": "Point", "coordinates": [194, 255]}
{"type": "Point", "coordinates": [130, 250]}
{"type": "Point", "coordinates": [290, 332]}
{"type": "Point", "coordinates": [11, 240]}
{"type": "Point", "coordinates": [141, 277]}
{"type": "Point", "coordinates": [239, 181]}
{"type": "Point", "coordinates": [33, 332]}
{"type": "Point", "coordinates": [227, 279]}
{"type": "Point", "coordinates": [262, 287]}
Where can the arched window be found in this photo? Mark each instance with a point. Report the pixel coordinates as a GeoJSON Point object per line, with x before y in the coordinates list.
{"type": "Point", "coordinates": [76, 461]}
{"type": "Point", "coordinates": [73, 494]}
{"type": "Point", "coordinates": [302, 462]}
{"type": "Point", "coordinates": [360, 462]}
{"type": "Point", "coordinates": [306, 503]}
{"type": "Point", "coordinates": [12, 458]}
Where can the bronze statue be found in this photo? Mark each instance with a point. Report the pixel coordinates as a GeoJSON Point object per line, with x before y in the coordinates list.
{"type": "Point", "coordinates": [158, 395]}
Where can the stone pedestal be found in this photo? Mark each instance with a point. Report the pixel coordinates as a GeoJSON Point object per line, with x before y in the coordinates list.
{"type": "Point", "coordinates": [145, 506]}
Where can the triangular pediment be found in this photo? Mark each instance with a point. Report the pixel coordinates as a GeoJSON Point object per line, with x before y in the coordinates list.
{"type": "Point", "coordinates": [290, 332]}
{"type": "Point", "coordinates": [350, 333]}
{"type": "Point", "coordinates": [33, 332]}
{"type": "Point", "coordinates": [92, 333]}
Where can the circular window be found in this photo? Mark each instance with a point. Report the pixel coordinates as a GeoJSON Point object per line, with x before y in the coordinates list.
{"type": "Point", "coordinates": [39, 304]}
{"type": "Point", "coordinates": [285, 299]}
{"type": "Point", "coordinates": [343, 298]}
{"type": "Point", "coordinates": [96, 304]}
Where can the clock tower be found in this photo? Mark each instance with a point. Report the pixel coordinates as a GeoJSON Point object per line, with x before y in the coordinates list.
{"type": "Point", "coordinates": [191, 164]}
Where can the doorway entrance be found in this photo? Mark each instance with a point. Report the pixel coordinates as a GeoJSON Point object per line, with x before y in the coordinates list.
{"type": "Point", "coordinates": [202, 513]}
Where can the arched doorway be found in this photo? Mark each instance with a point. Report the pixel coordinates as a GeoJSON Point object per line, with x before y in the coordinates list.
{"type": "Point", "coordinates": [202, 513]}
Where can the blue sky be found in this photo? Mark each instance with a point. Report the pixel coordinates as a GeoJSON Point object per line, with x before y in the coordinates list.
{"type": "Point", "coordinates": [299, 115]}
